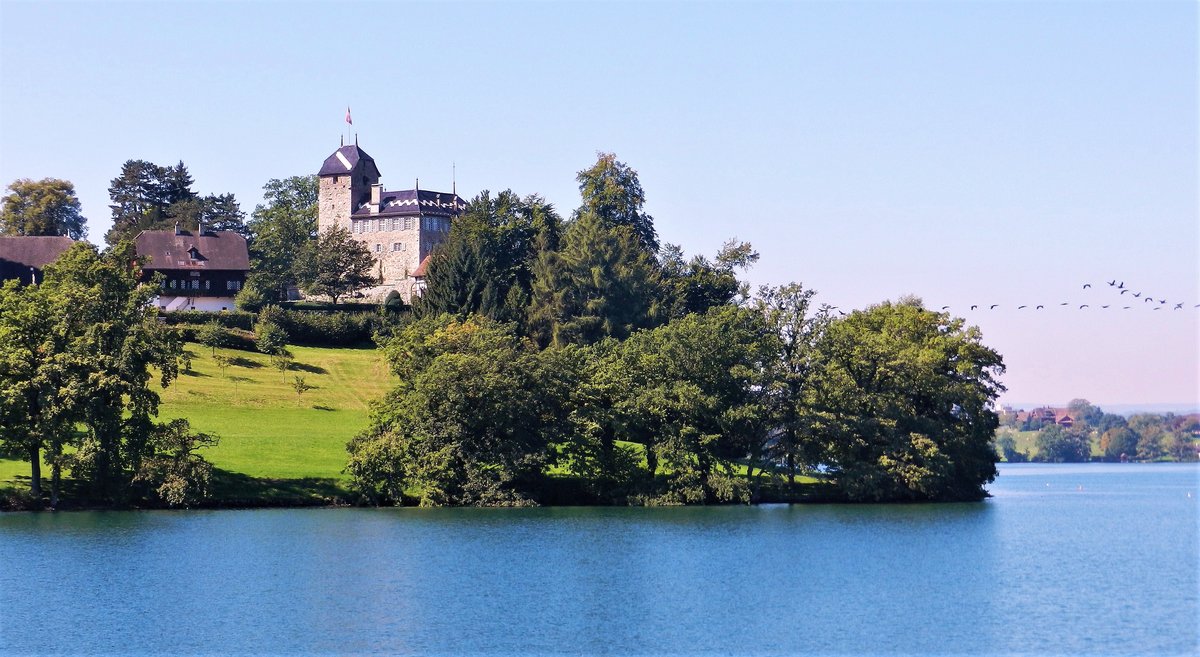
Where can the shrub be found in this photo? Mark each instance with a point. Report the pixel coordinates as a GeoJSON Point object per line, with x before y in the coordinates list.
{"type": "Point", "coordinates": [270, 338]}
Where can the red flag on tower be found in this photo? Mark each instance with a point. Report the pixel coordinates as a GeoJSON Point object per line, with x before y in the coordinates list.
{"type": "Point", "coordinates": [348, 116]}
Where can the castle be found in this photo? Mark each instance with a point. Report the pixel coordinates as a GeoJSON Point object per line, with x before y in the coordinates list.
{"type": "Point", "coordinates": [400, 228]}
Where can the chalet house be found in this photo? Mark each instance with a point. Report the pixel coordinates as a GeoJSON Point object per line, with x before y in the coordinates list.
{"type": "Point", "coordinates": [1046, 415]}
{"type": "Point", "coordinates": [201, 270]}
{"type": "Point", "coordinates": [399, 227]}
{"type": "Point", "coordinates": [24, 258]}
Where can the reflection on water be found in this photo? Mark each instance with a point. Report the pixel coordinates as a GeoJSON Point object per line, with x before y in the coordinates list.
{"type": "Point", "coordinates": [1062, 560]}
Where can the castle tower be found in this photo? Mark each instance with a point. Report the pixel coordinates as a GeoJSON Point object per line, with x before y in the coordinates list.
{"type": "Point", "coordinates": [344, 185]}
{"type": "Point", "coordinates": [399, 228]}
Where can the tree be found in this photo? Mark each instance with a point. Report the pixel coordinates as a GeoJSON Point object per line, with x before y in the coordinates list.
{"type": "Point", "coordinates": [146, 196]}
{"type": "Point", "coordinates": [903, 402]}
{"type": "Point", "coordinates": [613, 194]}
{"type": "Point", "coordinates": [213, 335]}
{"type": "Point", "coordinates": [601, 283]}
{"type": "Point", "coordinates": [279, 230]}
{"type": "Point", "coordinates": [1058, 445]}
{"type": "Point", "coordinates": [1119, 443]}
{"type": "Point", "coordinates": [300, 386]}
{"type": "Point", "coordinates": [112, 343]}
{"type": "Point", "coordinates": [1181, 446]}
{"type": "Point", "coordinates": [171, 469]}
{"type": "Point", "coordinates": [1150, 446]}
{"type": "Point", "coordinates": [697, 285]}
{"type": "Point", "coordinates": [1008, 449]}
{"type": "Point", "coordinates": [485, 266]}
{"type": "Point", "coordinates": [281, 361]}
{"type": "Point", "coordinates": [335, 265]}
{"type": "Point", "coordinates": [788, 311]}
{"type": "Point", "coordinates": [213, 212]}
{"type": "Point", "coordinates": [1082, 411]}
{"type": "Point", "coordinates": [694, 394]}
{"type": "Point", "coordinates": [43, 207]}
{"type": "Point", "coordinates": [466, 424]}
{"type": "Point", "coordinates": [141, 194]}
{"type": "Point", "coordinates": [270, 338]}
{"type": "Point", "coordinates": [34, 415]}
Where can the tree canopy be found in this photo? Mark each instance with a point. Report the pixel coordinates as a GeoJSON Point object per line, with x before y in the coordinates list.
{"type": "Point", "coordinates": [335, 264]}
{"type": "Point", "coordinates": [280, 228]}
{"type": "Point", "coordinates": [146, 196]}
{"type": "Point", "coordinates": [42, 207]}
{"type": "Point", "coordinates": [903, 397]}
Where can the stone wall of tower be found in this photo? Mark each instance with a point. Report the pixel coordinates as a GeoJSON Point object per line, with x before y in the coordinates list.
{"type": "Point", "coordinates": [334, 202]}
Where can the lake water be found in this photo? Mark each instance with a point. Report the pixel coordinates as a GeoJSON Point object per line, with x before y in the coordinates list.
{"type": "Point", "coordinates": [1078, 559]}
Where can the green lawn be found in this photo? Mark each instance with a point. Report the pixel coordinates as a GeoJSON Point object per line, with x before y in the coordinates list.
{"type": "Point", "coordinates": [273, 443]}
{"type": "Point", "coordinates": [266, 430]}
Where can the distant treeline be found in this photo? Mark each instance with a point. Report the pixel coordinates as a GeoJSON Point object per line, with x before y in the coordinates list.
{"type": "Point", "coordinates": [1094, 435]}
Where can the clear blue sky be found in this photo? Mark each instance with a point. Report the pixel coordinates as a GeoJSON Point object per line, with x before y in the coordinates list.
{"type": "Point", "coordinates": [969, 153]}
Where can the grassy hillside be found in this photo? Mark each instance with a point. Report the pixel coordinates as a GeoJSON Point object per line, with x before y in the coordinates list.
{"type": "Point", "coordinates": [274, 445]}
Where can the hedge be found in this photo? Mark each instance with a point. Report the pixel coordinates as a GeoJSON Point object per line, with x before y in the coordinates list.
{"type": "Point", "coordinates": [233, 319]}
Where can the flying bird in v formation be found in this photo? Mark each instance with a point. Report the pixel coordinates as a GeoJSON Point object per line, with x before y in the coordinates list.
{"type": "Point", "coordinates": [1158, 303]}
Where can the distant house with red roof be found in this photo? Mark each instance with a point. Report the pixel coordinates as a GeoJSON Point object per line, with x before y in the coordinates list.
{"type": "Point", "coordinates": [1046, 415]}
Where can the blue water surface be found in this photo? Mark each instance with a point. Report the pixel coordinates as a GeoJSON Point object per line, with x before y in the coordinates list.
{"type": "Point", "coordinates": [1062, 560]}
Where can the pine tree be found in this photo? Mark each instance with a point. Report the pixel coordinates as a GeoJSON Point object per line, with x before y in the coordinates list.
{"type": "Point", "coordinates": [609, 285]}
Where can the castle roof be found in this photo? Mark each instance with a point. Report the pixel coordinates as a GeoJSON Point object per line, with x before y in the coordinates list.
{"type": "Point", "coordinates": [345, 160]}
{"type": "Point", "coordinates": [410, 202]}
{"type": "Point", "coordinates": [222, 250]}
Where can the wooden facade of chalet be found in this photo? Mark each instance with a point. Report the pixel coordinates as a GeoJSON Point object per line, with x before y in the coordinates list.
{"type": "Point", "coordinates": [202, 270]}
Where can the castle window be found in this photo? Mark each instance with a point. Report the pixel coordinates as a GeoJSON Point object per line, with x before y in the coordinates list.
{"type": "Point", "coordinates": [336, 179]}
{"type": "Point", "coordinates": [408, 223]}
{"type": "Point", "coordinates": [195, 285]}
{"type": "Point", "coordinates": [172, 284]}
{"type": "Point", "coordinates": [397, 246]}
{"type": "Point", "coordinates": [378, 248]}
{"type": "Point", "coordinates": [206, 284]}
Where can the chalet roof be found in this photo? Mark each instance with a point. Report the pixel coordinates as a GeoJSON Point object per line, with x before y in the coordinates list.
{"type": "Point", "coordinates": [217, 250]}
{"type": "Point", "coordinates": [414, 202]}
{"type": "Point", "coordinates": [421, 268]}
{"type": "Point", "coordinates": [346, 160]}
{"type": "Point", "coordinates": [37, 252]}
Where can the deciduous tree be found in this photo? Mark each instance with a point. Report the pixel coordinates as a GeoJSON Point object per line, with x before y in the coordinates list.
{"type": "Point", "coordinates": [334, 265]}
{"type": "Point", "coordinates": [42, 207]}
{"type": "Point", "coordinates": [279, 230]}
{"type": "Point", "coordinates": [904, 399]}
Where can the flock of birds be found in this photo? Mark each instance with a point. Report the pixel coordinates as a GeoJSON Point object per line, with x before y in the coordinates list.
{"type": "Point", "coordinates": [1119, 287]}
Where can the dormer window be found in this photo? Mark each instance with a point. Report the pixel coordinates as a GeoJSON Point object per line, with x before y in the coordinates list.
{"type": "Point", "coordinates": [194, 253]}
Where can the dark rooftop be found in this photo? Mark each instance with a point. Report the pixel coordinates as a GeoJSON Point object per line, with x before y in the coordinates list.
{"type": "Point", "coordinates": [414, 202]}
{"type": "Point", "coordinates": [34, 252]}
{"type": "Point", "coordinates": [350, 157]}
{"type": "Point", "coordinates": [214, 250]}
